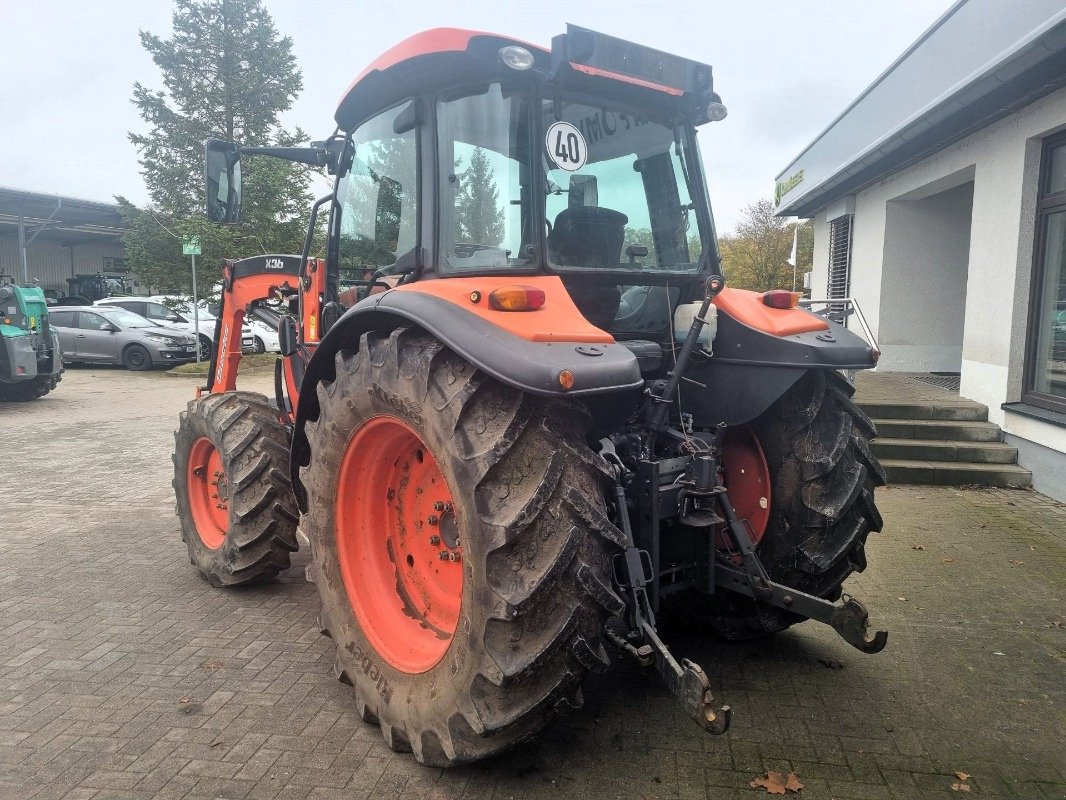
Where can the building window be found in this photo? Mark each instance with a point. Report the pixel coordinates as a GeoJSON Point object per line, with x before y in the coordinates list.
{"type": "Point", "coordinates": [839, 264]}
{"type": "Point", "coordinates": [1045, 368]}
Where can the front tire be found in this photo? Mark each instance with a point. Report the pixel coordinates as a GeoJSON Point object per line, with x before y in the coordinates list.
{"type": "Point", "coordinates": [259, 346]}
{"type": "Point", "coordinates": [489, 646]}
{"type": "Point", "coordinates": [234, 502]}
{"type": "Point", "coordinates": [137, 358]}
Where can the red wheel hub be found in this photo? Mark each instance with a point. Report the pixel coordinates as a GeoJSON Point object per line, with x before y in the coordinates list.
{"type": "Point", "coordinates": [748, 480]}
{"type": "Point", "coordinates": [399, 544]}
{"type": "Point", "coordinates": [208, 492]}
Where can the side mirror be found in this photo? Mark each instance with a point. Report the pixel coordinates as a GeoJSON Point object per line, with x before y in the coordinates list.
{"type": "Point", "coordinates": [107, 326]}
{"type": "Point", "coordinates": [222, 181]}
{"type": "Point", "coordinates": [174, 318]}
{"type": "Point", "coordinates": [584, 191]}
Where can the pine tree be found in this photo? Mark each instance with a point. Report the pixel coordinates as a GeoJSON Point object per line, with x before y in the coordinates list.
{"type": "Point", "coordinates": [478, 216]}
{"type": "Point", "coordinates": [227, 74]}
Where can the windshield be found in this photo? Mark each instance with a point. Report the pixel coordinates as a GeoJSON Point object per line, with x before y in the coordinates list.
{"type": "Point", "coordinates": [126, 319]}
{"type": "Point", "coordinates": [617, 193]}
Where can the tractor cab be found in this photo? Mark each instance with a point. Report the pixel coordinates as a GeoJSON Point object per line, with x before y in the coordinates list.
{"type": "Point", "coordinates": [461, 153]}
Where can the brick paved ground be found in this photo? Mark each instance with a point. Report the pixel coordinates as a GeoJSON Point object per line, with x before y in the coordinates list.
{"type": "Point", "coordinates": [123, 675]}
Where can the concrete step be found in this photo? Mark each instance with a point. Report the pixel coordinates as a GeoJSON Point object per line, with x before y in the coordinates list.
{"type": "Point", "coordinates": [953, 409]}
{"type": "Point", "coordinates": [944, 450]}
{"type": "Point", "coordinates": [947, 473]}
{"type": "Point", "coordinates": [938, 429]}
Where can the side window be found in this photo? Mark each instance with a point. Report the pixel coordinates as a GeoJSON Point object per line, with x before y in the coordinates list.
{"type": "Point", "coordinates": [379, 199]}
{"type": "Point", "coordinates": [89, 321]}
{"type": "Point", "coordinates": [61, 319]}
{"type": "Point", "coordinates": [131, 305]}
{"type": "Point", "coordinates": [158, 311]}
{"type": "Point", "coordinates": [485, 184]}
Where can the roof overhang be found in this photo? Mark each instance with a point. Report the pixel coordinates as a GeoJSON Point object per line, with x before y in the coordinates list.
{"type": "Point", "coordinates": [68, 218]}
{"type": "Point", "coordinates": [942, 89]}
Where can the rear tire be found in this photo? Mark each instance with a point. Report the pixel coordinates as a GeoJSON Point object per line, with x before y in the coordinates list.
{"type": "Point", "coordinates": [816, 443]}
{"type": "Point", "coordinates": [251, 537]}
{"type": "Point", "coordinates": [137, 358]}
{"type": "Point", "coordinates": [536, 549]}
{"type": "Point", "coordinates": [33, 389]}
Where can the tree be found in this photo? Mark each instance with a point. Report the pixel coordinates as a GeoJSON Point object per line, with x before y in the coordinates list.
{"type": "Point", "coordinates": [756, 255]}
{"type": "Point", "coordinates": [477, 209]}
{"type": "Point", "coordinates": [227, 74]}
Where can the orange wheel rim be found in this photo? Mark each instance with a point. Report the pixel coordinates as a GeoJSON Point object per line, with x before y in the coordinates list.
{"type": "Point", "coordinates": [208, 491]}
{"type": "Point", "coordinates": [747, 477]}
{"type": "Point", "coordinates": [399, 544]}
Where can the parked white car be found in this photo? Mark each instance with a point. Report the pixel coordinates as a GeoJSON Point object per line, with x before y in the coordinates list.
{"type": "Point", "coordinates": [265, 338]}
{"type": "Point", "coordinates": [173, 311]}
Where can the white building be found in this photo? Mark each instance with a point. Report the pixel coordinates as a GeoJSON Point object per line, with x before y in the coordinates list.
{"type": "Point", "coordinates": [939, 204]}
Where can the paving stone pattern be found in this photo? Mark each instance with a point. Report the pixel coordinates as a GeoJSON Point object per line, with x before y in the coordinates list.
{"type": "Point", "coordinates": [123, 675]}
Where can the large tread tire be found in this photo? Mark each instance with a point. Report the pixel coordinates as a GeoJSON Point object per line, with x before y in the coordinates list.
{"type": "Point", "coordinates": [245, 429]}
{"type": "Point", "coordinates": [823, 475]}
{"type": "Point", "coordinates": [33, 389]}
{"type": "Point", "coordinates": [537, 548]}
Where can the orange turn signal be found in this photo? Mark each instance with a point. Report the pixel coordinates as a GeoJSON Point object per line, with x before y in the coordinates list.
{"type": "Point", "coordinates": [517, 298]}
{"type": "Point", "coordinates": [781, 298]}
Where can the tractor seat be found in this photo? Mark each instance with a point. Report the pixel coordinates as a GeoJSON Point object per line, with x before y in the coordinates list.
{"type": "Point", "coordinates": [587, 236]}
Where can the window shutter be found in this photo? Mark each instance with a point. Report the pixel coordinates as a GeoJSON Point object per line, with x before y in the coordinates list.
{"type": "Point", "coordinates": [839, 264]}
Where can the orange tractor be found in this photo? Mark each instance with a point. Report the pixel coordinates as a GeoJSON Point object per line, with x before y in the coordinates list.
{"type": "Point", "coordinates": [518, 415]}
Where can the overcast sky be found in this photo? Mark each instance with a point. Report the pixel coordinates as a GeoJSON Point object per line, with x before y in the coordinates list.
{"type": "Point", "coordinates": [784, 69]}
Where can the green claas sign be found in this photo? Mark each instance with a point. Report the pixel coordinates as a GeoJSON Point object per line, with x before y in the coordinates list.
{"type": "Point", "coordinates": [190, 245]}
{"type": "Point", "coordinates": [787, 185]}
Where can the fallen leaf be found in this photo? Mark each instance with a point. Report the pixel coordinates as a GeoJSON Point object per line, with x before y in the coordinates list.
{"type": "Point", "coordinates": [948, 560]}
{"type": "Point", "coordinates": [832, 663]}
{"type": "Point", "coordinates": [917, 547]}
{"type": "Point", "coordinates": [903, 599]}
{"type": "Point", "coordinates": [776, 783]}
{"type": "Point", "coordinates": [186, 699]}
{"type": "Point", "coordinates": [216, 744]}
{"type": "Point", "coordinates": [1016, 562]}
{"type": "Point", "coordinates": [962, 776]}
{"type": "Point", "coordinates": [213, 665]}
{"type": "Point", "coordinates": [960, 787]}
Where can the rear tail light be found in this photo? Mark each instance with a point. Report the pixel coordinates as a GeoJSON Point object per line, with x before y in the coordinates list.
{"type": "Point", "coordinates": [781, 298]}
{"type": "Point", "coordinates": [517, 298]}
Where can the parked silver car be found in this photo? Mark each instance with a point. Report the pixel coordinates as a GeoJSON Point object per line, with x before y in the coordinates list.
{"type": "Point", "coordinates": [111, 335]}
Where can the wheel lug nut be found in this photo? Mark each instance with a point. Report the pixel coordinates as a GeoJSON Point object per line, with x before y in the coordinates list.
{"type": "Point", "coordinates": [433, 519]}
{"type": "Point", "coordinates": [434, 540]}
{"type": "Point", "coordinates": [443, 555]}
{"type": "Point", "coordinates": [438, 506]}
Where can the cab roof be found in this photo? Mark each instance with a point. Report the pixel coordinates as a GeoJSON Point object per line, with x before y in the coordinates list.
{"type": "Point", "coordinates": [436, 55]}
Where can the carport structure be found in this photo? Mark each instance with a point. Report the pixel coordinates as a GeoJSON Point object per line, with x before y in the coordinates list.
{"type": "Point", "coordinates": [49, 238]}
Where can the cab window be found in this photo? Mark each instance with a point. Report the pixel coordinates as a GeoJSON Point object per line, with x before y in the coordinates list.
{"type": "Point", "coordinates": [378, 199]}
{"type": "Point", "coordinates": [485, 180]}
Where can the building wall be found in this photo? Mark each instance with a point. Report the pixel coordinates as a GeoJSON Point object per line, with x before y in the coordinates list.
{"type": "Point", "coordinates": [923, 281]}
{"type": "Point", "coordinates": [1002, 161]}
{"type": "Point", "coordinates": [50, 262]}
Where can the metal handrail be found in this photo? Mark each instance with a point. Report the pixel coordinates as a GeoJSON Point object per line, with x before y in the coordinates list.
{"type": "Point", "coordinates": [843, 301]}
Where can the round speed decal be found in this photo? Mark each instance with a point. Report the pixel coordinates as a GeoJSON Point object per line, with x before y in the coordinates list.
{"type": "Point", "coordinates": [566, 146]}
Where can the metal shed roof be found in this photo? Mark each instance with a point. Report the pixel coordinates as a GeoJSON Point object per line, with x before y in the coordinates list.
{"type": "Point", "coordinates": [73, 218]}
{"type": "Point", "coordinates": [979, 62]}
